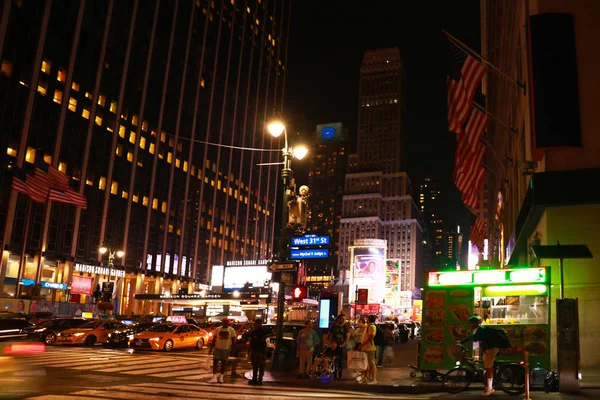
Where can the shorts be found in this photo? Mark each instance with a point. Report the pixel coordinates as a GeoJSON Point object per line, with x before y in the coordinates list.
{"type": "Point", "coordinates": [220, 354]}
{"type": "Point", "coordinates": [489, 356]}
{"type": "Point", "coordinates": [370, 356]}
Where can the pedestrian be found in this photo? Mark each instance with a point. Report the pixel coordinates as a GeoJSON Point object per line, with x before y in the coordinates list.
{"type": "Point", "coordinates": [487, 347]}
{"type": "Point", "coordinates": [257, 352]}
{"type": "Point", "coordinates": [305, 345]}
{"type": "Point", "coordinates": [356, 335]}
{"type": "Point", "coordinates": [222, 344]}
{"type": "Point", "coordinates": [368, 346]}
{"type": "Point", "coordinates": [339, 332]}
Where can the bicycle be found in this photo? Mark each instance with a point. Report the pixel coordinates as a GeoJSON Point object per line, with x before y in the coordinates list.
{"type": "Point", "coordinates": [509, 377]}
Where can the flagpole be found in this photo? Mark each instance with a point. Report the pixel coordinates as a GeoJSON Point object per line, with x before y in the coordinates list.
{"type": "Point", "coordinates": [23, 245]}
{"type": "Point", "coordinates": [467, 49]}
{"type": "Point", "coordinates": [492, 116]}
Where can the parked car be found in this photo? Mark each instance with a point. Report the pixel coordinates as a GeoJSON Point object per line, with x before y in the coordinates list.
{"type": "Point", "coordinates": [290, 334]}
{"type": "Point", "coordinates": [14, 328]}
{"type": "Point", "coordinates": [169, 336]}
{"type": "Point", "coordinates": [89, 334]}
{"type": "Point", "coordinates": [47, 331]}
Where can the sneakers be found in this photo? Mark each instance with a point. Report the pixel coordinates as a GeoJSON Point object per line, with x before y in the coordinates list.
{"type": "Point", "coordinates": [487, 392]}
{"type": "Point", "coordinates": [372, 382]}
{"type": "Point", "coordinates": [220, 378]}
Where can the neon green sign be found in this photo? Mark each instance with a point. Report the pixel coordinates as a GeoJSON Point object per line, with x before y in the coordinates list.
{"type": "Point", "coordinates": [492, 277]}
{"type": "Point", "coordinates": [515, 290]}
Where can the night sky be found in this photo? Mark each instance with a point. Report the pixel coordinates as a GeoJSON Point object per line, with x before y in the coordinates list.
{"type": "Point", "coordinates": [327, 42]}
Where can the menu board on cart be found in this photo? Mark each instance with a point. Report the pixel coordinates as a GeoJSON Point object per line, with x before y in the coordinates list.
{"type": "Point", "coordinates": [531, 338]}
{"type": "Point", "coordinates": [446, 312]}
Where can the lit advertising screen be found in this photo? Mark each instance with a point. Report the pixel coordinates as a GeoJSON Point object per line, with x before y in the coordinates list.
{"type": "Point", "coordinates": [392, 282]}
{"type": "Point", "coordinates": [81, 284]}
{"type": "Point", "coordinates": [368, 271]}
{"type": "Point", "coordinates": [236, 277]}
{"type": "Point", "coordinates": [217, 276]}
{"type": "Point", "coordinates": [324, 310]}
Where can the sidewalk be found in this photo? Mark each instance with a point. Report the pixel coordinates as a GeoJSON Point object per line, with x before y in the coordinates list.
{"type": "Point", "coordinates": [394, 378]}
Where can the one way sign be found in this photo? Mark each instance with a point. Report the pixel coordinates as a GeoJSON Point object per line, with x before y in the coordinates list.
{"type": "Point", "coordinates": [283, 266]}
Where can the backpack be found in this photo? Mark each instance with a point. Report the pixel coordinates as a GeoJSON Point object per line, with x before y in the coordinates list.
{"type": "Point", "coordinates": [379, 339]}
{"type": "Point", "coordinates": [497, 337]}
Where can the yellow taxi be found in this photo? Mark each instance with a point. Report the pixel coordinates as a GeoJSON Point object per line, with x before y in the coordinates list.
{"type": "Point", "coordinates": [90, 333]}
{"type": "Point", "coordinates": [170, 336]}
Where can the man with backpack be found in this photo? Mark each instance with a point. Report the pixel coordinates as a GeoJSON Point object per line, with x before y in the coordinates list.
{"type": "Point", "coordinates": [490, 342]}
{"type": "Point", "coordinates": [368, 346]}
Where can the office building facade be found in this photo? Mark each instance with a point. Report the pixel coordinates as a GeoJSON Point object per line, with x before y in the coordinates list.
{"type": "Point", "coordinates": [140, 105]}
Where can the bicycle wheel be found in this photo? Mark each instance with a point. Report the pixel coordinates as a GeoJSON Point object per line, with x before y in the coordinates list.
{"type": "Point", "coordinates": [511, 379]}
{"type": "Point", "coordinates": [457, 379]}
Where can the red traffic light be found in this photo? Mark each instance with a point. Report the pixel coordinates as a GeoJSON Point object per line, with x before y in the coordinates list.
{"type": "Point", "coordinates": [299, 292]}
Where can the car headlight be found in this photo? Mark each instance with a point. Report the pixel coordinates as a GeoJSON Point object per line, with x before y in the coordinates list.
{"type": "Point", "coordinates": [78, 334]}
{"type": "Point", "coordinates": [155, 339]}
{"type": "Point", "coordinates": [210, 334]}
{"type": "Point", "coordinates": [39, 330]}
{"type": "Point", "coordinates": [239, 337]}
{"type": "Point", "coordinates": [130, 337]}
{"type": "Point", "coordinates": [110, 335]}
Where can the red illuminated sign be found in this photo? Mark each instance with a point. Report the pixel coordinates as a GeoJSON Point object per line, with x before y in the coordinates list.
{"type": "Point", "coordinates": [299, 292]}
{"type": "Point", "coordinates": [368, 308]}
{"type": "Point", "coordinates": [81, 284]}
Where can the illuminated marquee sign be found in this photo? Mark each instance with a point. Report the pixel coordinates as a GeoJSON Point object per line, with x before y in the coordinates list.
{"type": "Point", "coordinates": [492, 277]}
{"type": "Point", "coordinates": [99, 270]}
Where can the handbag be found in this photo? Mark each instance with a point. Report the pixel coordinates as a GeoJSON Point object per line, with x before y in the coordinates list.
{"type": "Point", "coordinates": [357, 360]}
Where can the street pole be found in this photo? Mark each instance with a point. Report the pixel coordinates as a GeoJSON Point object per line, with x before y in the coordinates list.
{"type": "Point", "coordinates": [286, 176]}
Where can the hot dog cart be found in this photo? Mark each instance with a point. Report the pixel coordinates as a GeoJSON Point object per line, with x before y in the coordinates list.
{"type": "Point", "coordinates": [516, 300]}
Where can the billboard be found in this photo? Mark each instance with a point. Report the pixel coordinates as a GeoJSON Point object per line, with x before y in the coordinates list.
{"type": "Point", "coordinates": [368, 270]}
{"type": "Point", "coordinates": [237, 277]}
{"type": "Point", "coordinates": [81, 284]}
{"type": "Point", "coordinates": [392, 282]}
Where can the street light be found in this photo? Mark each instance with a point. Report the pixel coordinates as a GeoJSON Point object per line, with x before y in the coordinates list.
{"type": "Point", "coordinates": [111, 258]}
{"type": "Point", "coordinates": [276, 129]}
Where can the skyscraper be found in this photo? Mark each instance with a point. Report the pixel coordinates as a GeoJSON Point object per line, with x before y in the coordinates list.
{"type": "Point", "coordinates": [140, 103]}
{"type": "Point", "coordinates": [378, 201]}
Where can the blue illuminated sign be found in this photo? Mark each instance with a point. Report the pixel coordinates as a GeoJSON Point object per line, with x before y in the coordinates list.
{"type": "Point", "coordinates": [308, 254]}
{"type": "Point", "coordinates": [54, 285]}
{"type": "Point", "coordinates": [310, 240]}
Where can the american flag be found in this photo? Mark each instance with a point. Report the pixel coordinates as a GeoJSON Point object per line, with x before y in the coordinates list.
{"type": "Point", "coordinates": [464, 75]}
{"type": "Point", "coordinates": [468, 138]}
{"type": "Point", "coordinates": [466, 177]}
{"type": "Point", "coordinates": [19, 180]}
{"type": "Point", "coordinates": [57, 185]}
{"type": "Point", "coordinates": [478, 233]}
{"type": "Point", "coordinates": [68, 196]}
{"type": "Point", "coordinates": [471, 197]}
{"type": "Point", "coordinates": [38, 185]}
{"type": "Point", "coordinates": [57, 178]}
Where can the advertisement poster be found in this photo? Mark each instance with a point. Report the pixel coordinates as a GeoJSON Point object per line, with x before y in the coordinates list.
{"type": "Point", "coordinates": [81, 284]}
{"type": "Point", "coordinates": [445, 321]}
{"type": "Point", "coordinates": [417, 311]}
{"type": "Point", "coordinates": [238, 277]}
{"type": "Point", "coordinates": [368, 271]}
{"type": "Point", "coordinates": [392, 282]}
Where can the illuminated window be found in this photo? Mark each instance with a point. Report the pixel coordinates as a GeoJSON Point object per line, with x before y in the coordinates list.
{"type": "Point", "coordinates": [113, 107]}
{"type": "Point", "coordinates": [136, 198]}
{"type": "Point", "coordinates": [212, 183]}
{"type": "Point", "coordinates": [88, 95]}
{"type": "Point", "coordinates": [30, 155]}
{"type": "Point", "coordinates": [134, 120]}
{"type": "Point", "coordinates": [142, 142]}
{"type": "Point", "coordinates": [163, 207]}
{"type": "Point", "coordinates": [102, 183]}
{"type": "Point", "coordinates": [155, 204]}
{"type": "Point", "coordinates": [140, 164]}
{"type": "Point", "coordinates": [129, 156]}
{"type": "Point", "coordinates": [202, 83]}
{"type": "Point", "coordinates": [192, 170]}
{"type": "Point", "coordinates": [163, 137]}
{"type": "Point", "coordinates": [145, 126]}
{"type": "Point", "coordinates": [46, 66]}
{"type": "Point", "coordinates": [114, 188]}
{"type": "Point", "coordinates": [57, 97]}
{"type": "Point", "coordinates": [122, 131]}
{"type": "Point", "coordinates": [132, 137]}
{"type": "Point", "coordinates": [199, 174]}
{"type": "Point", "coordinates": [248, 9]}
{"type": "Point", "coordinates": [85, 113]}
{"type": "Point", "coordinates": [169, 157]}
{"type": "Point", "coordinates": [62, 167]}
{"type": "Point", "coordinates": [207, 164]}
{"type": "Point", "coordinates": [101, 100]}
{"type": "Point", "coordinates": [145, 201]}
{"type": "Point", "coordinates": [47, 159]}
{"type": "Point", "coordinates": [124, 194]}
{"type": "Point", "coordinates": [72, 104]}
{"type": "Point", "coordinates": [219, 184]}
{"type": "Point", "coordinates": [119, 150]}
{"type": "Point", "coordinates": [6, 68]}
{"type": "Point", "coordinates": [11, 152]}
{"type": "Point", "coordinates": [152, 148]}
{"type": "Point", "coordinates": [177, 163]}
{"type": "Point", "coordinates": [171, 141]}
{"type": "Point", "coordinates": [98, 120]}
{"type": "Point", "coordinates": [170, 228]}
{"type": "Point", "coordinates": [185, 166]}
{"type": "Point", "coordinates": [42, 88]}
{"type": "Point", "coordinates": [75, 86]}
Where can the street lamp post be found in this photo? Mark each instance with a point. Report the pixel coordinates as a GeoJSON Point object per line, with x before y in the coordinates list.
{"type": "Point", "coordinates": [276, 129]}
{"type": "Point", "coordinates": [111, 259]}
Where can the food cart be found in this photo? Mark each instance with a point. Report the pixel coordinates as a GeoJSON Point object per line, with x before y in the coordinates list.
{"type": "Point", "coordinates": [516, 300]}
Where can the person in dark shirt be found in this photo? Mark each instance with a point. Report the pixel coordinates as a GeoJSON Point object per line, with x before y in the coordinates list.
{"type": "Point", "coordinates": [327, 356]}
{"type": "Point", "coordinates": [257, 352]}
{"type": "Point", "coordinates": [486, 347]}
{"type": "Point", "coordinates": [340, 333]}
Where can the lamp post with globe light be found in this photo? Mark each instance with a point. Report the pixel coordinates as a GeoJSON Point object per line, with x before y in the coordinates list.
{"type": "Point", "coordinates": [276, 129]}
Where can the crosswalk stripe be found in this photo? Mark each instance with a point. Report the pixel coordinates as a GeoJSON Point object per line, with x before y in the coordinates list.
{"type": "Point", "coordinates": [159, 369]}
{"type": "Point", "coordinates": [177, 374]}
{"type": "Point", "coordinates": [123, 366]}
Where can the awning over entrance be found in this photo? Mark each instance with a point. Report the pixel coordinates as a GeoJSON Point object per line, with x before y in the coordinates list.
{"type": "Point", "coordinates": [551, 189]}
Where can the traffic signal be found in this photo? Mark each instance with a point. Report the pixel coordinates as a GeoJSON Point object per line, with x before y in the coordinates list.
{"type": "Point", "coordinates": [299, 292]}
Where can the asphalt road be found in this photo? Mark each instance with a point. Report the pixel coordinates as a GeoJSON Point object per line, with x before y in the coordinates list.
{"type": "Point", "coordinates": [101, 373]}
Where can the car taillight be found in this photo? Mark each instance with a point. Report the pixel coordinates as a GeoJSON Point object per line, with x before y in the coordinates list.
{"type": "Point", "coordinates": [25, 348]}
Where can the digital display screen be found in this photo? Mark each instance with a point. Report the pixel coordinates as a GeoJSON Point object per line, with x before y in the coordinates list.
{"type": "Point", "coordinates": [324, 310]}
